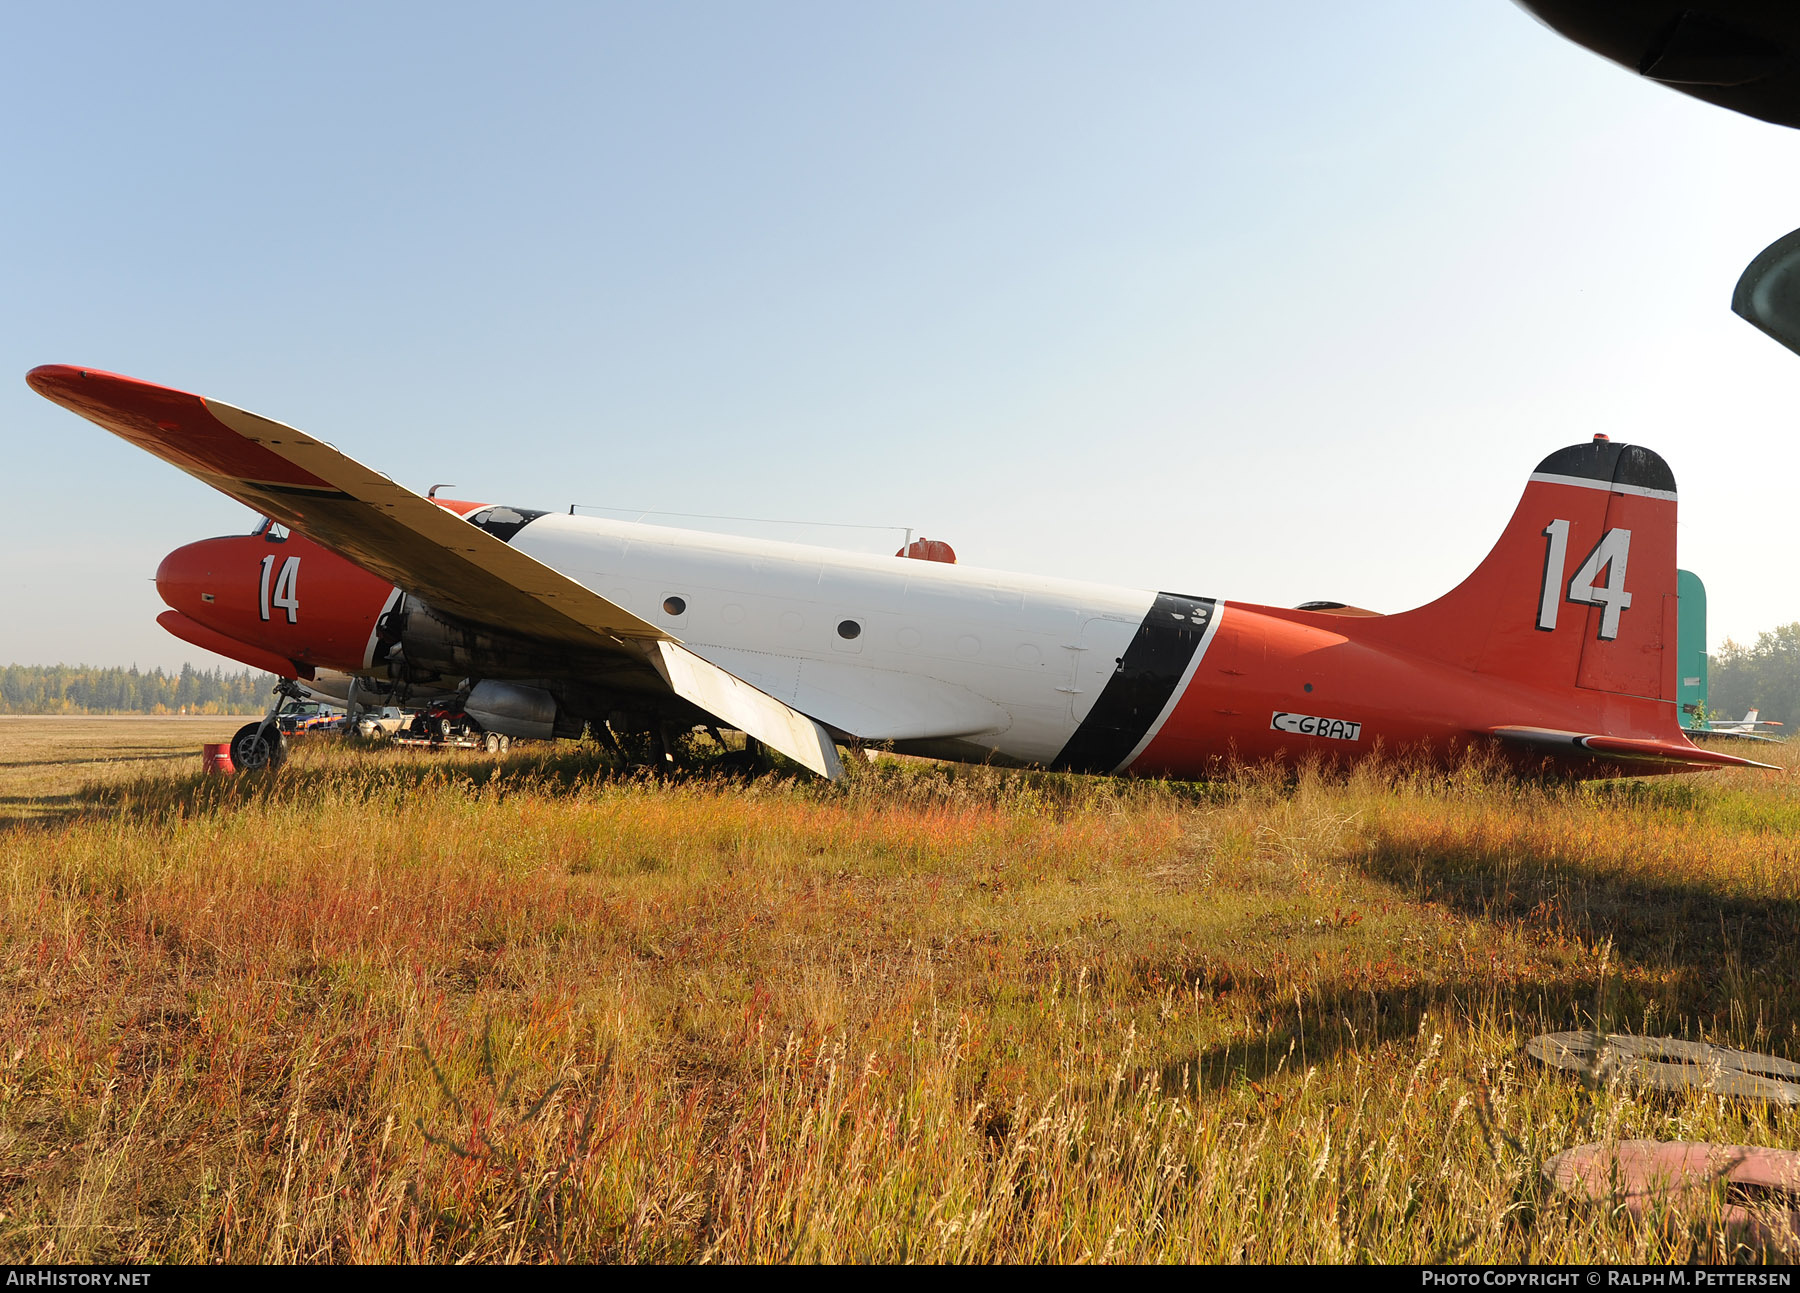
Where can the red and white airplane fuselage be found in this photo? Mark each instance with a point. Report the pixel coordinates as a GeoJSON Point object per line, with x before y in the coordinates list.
{"type": "Point", "coordinates": [1561, 645]}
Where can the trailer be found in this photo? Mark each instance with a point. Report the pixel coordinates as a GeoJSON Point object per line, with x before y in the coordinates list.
{"type": "Point", "coordinates": [444, 728]}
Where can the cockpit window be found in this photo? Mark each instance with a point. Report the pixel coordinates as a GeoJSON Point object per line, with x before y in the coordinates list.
{"type": "Point", "coordinates": [504, 522]}
{"type": "Point", "coordinates": [270, 530]}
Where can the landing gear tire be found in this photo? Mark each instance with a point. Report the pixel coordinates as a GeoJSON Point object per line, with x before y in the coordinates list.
{"type": "Point", "coordinates": [505, 743]}
{"type": "Point", "coordinates": [257, 746]}
{"type": "Point", "coordinates": [491, 743]}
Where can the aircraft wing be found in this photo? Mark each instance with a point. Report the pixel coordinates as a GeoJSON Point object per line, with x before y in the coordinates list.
{"type": "Point", "coordinates": [1622, 748]}
{"type": "Point", "coordinates": [383, 527]}
{"type": "Point", "coordinates": [405, 538]}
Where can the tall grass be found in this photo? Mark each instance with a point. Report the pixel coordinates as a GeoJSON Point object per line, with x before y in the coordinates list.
{"type": "Point", "coordinates": [388, 1007]}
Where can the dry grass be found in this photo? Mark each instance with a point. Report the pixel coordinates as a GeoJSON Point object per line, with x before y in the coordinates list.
{"type": "Point", "coordinates": [386, 1006]}
{"type": "Point", "coordinates": [46, 762]}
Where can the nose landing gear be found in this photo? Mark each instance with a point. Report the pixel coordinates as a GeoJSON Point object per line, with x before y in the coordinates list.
{"type": "Point", "coordinates": [258, 745]}
{"type": "Point", "coordinates": [261, 744]}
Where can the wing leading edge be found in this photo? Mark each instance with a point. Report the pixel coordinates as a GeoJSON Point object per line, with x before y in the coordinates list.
{"type": "Point", "coordinates": [383, 527]}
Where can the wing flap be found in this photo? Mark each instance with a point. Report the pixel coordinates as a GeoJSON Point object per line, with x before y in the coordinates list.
{"type": "Point", "coordinates": [736, 703]}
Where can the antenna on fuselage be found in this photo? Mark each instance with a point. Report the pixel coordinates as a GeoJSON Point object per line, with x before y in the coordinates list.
{"type": "Point", "coordinates": [432, 492]}
{"type": "Point", "coordinates": [641, 513]}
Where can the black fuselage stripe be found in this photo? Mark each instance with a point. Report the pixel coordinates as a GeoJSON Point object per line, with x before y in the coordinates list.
{"type": "Point", "coordinates": [1142, 681]}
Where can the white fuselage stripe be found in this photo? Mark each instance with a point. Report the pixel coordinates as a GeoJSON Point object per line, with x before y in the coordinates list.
{"type": "Point", "coordinates": [392, 601]}
{"type": "Point", "coordinates": [1181, 687]}
{"type": "Point", "coordinates": [1611, 487]}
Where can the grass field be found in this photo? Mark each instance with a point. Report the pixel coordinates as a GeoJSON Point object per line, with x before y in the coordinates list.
{"type": "Point", "coordinates": [46, 764]}
{"type": "Point", "coordinates": [393, 1006]}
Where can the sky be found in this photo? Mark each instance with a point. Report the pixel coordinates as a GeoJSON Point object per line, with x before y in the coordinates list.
{"type": "Point", "coordinates": [1276, 302]}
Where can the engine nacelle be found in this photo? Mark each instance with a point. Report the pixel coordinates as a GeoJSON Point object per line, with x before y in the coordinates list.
{"type": "Point", "coordinates": [435, 646]}
{"type": "Point", "coordinates": [512, 709]}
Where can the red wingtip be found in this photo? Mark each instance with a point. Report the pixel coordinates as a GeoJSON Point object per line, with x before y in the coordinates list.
{"type": "Point", "coordinates": [43, 378]}
{"type": "Point", "coordinates": [56, 381]}
{"type": "Point", "coordinates": [174, 425]}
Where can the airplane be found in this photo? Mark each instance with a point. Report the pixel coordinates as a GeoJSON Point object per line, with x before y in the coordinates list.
{"type": "Point", "coordinates": [1558, 651]}
{"type": "Point", "coordinates": [1739, 54]}
{"type": "Point", "coordinates": [1743, 727]}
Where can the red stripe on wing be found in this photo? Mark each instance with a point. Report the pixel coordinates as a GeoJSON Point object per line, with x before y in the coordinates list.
{"type": "Point", "coordinates": [174, 425]}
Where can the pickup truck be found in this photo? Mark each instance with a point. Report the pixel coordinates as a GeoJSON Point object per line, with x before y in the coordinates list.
{"type": "Point", "coordinates": [299, 720]}
{"type": "Point", "coordinates": [379, 724]}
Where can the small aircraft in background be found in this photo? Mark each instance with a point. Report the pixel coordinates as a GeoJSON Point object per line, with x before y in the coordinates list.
{"type": "Point", "coordinates": [1559, 650]}
{"type": "Point", "coordinates": [1748, 726]}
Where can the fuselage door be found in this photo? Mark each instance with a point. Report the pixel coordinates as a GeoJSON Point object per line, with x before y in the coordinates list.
{"type": "Point", "coordinates": [1101, 647]}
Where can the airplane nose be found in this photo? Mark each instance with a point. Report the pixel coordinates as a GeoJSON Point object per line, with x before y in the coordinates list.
{"type": "Point", "coordinates": [274, 593]}
{"type": "Point", "coordinates": [186, 577]}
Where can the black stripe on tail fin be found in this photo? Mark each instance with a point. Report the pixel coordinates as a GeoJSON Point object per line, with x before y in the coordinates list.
{"type": "Point", "coordinates": [1627, 467]}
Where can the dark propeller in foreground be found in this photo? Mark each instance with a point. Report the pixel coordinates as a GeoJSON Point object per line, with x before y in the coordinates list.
{"type": "Point", "coordinates": [1740, 54]}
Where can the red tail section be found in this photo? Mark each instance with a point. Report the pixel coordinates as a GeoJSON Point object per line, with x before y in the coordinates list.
{"type": "Point", "coordinates": [1580, 589]}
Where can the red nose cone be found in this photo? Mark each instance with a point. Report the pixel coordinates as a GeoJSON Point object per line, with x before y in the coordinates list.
{"type": "Point", "coordinates": [185, 575]}
{"type": "Point", "coordinates": [287, 599]}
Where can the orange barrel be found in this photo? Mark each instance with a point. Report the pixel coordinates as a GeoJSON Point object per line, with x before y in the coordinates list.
{"type": "Point", "coordinates": [216, 758]}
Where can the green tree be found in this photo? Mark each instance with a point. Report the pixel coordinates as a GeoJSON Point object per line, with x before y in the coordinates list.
{"type": "Point", "coordinates": [84, 689]}
{"type": "Point", "coordinates": [1764, 677]}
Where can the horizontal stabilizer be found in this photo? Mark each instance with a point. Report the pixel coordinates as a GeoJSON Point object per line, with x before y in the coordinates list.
{"type": "Point", "coordinates": [735, 703]}
{"type": "Point", "coordinates": [1624, 749]}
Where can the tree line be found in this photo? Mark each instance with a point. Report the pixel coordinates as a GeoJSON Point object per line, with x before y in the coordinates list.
{"type": "Point", "coordinates": [1765, 676]}
{"type": "Point", "coordinates": [85, 689]}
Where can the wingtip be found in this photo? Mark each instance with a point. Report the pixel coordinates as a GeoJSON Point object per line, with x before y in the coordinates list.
{"type": "Point", "coordinates": [61, 382]}
{"type": "Point", "coordinates": [48, 378]}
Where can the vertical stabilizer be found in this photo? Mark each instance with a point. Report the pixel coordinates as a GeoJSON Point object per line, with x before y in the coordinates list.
{"type": "Point", "coordinates": [1580, 591]}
